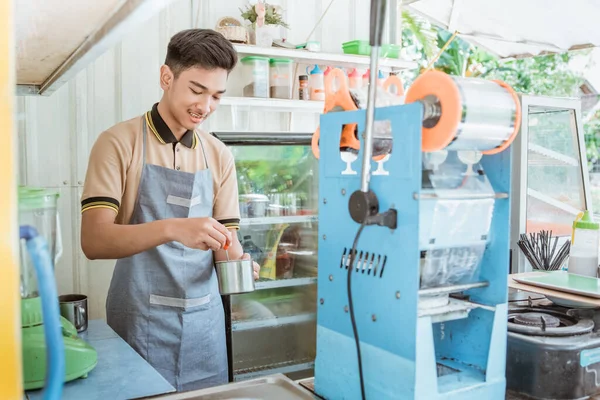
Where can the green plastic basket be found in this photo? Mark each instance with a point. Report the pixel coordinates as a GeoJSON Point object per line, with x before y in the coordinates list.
{"type": "Point", "coordinates": [362, 48]}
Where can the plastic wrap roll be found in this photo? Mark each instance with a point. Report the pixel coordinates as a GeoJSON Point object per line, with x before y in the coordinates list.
{"type": "Point", "coordinates": [465, 113]}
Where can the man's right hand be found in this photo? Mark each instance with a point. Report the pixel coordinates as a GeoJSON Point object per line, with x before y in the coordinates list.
{"type": "Point", "coordinates": [102, 238]}
{"type": "Point", "coordinates": [201, 233]}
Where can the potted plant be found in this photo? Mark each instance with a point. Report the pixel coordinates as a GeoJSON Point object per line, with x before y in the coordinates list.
{"type": "Point", "coordinates": [265, 20]}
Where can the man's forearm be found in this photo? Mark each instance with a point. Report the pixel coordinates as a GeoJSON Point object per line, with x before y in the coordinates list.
{"type": "Point", "coordinates": [113, 241]}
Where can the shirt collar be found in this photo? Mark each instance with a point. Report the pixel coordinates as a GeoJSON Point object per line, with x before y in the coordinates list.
{"type": "Point", "coordinates": [164, 135]}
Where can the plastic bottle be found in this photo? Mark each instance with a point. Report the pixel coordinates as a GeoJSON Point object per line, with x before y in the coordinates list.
{"type": "Point", "coordinates": [249, 247]}
{"type": "Point", "coordinates": [380, 79]}
{"type": "Point", "coordinates": [303, 88]}
{"type": "Point", "coordinates": [316, 81]}
{"type": "Point", "coordinates": [365, 78]}
{"type": "Point", "coordinates": [355, 79]}
{"type": "Point", "coordinates": [583, 255]}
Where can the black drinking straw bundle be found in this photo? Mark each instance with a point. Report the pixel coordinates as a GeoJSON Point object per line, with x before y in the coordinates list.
{"type": "Point", "coordinates": [540, 250]}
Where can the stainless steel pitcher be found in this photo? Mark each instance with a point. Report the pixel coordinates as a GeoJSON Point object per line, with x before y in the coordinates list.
{"type": "Point", "coordinates": [74, 308]}
{"type": "Point", "coordinates": [235, 276]}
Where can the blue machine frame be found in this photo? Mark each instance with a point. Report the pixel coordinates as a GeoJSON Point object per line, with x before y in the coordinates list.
{"type": "Point", "coordinates": [404, 356]}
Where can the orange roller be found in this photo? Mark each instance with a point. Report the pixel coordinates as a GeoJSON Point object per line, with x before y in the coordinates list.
{"type": "Point", "coordinates": [440, 85]}
{"type": "Point", "coordinates": [465, 113]}
{"type": "Point", "coordinates": [512, 137]}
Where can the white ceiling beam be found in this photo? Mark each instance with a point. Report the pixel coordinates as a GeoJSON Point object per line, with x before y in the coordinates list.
{"type": "Point", "coordinates": [125, 19]}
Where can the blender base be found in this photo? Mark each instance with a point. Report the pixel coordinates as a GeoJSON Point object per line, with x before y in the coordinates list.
{"type": "Point", "coordinates": [80, 357]}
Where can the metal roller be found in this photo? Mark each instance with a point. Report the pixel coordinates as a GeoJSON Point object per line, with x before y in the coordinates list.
{"type": "Point", "coordinates": [465, 113]}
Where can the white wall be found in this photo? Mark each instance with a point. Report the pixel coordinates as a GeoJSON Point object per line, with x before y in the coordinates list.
{"type": "Point", "coordinates": [56, 133]}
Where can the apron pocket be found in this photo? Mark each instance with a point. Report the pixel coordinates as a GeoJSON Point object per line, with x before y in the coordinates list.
{"type": "Point", "coordinates": [203, 347]}
{"type": "Point", "coordinates": [186, 304]}
{"type": "Point", "coordinates": [183, 202]}
{"type": "Point", "coordinates": [151, 208]}
{"type": "Point", "coordinates": [179, 207]}
{"type": "Point", "coordinates": [188, 345]}
{"type": "Point", "coordinates": [164, 338]}
{"type": "Point", "coordinates": [202, 208]}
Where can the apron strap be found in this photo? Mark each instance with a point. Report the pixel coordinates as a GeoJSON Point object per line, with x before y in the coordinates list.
{"type": "Point", "coordinates": [144, 134]}
{"type": "Point", "coordinates": [203, 152]}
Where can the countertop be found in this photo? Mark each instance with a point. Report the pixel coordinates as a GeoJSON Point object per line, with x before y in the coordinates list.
{"type": "Point", "coordinates": [309, 385]}
{"type": "Point", "coordinates": [120, 374]}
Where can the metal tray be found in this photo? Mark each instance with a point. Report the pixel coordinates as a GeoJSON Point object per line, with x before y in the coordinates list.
{"type": "Point", "coordinates": [563, 282]}
{"type": "Point", "coordinates": [273, 387]}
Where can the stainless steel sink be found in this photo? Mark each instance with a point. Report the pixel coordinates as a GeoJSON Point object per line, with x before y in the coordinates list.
{"type": "Point", "coordinates": [273, 387]}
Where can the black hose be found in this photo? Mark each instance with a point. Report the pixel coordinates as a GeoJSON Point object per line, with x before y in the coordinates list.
{"type": "Point", "coordinates": [351, 309]}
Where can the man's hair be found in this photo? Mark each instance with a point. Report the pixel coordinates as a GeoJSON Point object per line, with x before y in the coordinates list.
{"type": "Point", "coordinates": [200, 48]}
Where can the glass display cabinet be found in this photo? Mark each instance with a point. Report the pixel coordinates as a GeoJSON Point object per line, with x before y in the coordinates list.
{"type": "Point", "coordinates": [550, 182]}
{"type": "Point", "coordinates": [273, 329]}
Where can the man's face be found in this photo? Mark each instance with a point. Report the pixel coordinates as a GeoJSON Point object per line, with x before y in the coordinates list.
{"type": "Point", "coordinates": [194, 94]}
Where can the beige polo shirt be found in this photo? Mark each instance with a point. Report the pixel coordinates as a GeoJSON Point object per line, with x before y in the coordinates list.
{"type": "Point", "coordinates": [115, 166]}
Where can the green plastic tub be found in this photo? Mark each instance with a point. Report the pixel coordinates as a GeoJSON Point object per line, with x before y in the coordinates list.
{"type": "Point", "coordinates": [362, 48]}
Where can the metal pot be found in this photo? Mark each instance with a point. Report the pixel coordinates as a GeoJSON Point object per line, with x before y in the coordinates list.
{"type": "Point", "coordinates": [235, 276]}
{"type": "Point", "coordinates": [253, 205]}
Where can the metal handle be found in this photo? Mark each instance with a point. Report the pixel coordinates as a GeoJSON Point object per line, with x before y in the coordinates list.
{"type": "Point", "coordinates": [377, 18]}
{"type": "Point", "coordinates": [79, 316]}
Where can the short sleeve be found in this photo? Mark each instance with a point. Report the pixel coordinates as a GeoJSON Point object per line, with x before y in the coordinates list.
{"type": "Point", "coordinates": [105, 177]}
{"type": "Point", "coordinates": [226, 209]}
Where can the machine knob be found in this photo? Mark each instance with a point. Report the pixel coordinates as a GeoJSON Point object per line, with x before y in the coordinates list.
{"type": "Point", "coordinates": [363, 205]}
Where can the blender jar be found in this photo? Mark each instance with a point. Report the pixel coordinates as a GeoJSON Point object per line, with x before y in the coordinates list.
{"type": "Point", "coordinates": [256, 76]}
{"type": "Point", "coordinates": [37, 208]}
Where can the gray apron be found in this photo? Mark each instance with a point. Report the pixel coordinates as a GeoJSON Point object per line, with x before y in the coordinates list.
{"type": "Point", "coordinates": [165, 302]}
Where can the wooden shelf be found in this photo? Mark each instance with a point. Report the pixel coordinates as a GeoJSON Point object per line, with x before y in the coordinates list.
{"type": "Point", "coordinates": [333, 59]}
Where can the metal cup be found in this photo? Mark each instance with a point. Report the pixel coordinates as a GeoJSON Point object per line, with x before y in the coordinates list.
{"type": "Point", "coordinates": [235, 276]}
{"type": "Point", "coordinates": [74, 308]}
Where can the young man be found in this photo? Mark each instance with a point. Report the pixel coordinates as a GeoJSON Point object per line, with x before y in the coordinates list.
{"type": "Point", "coordinates": [162, 198]}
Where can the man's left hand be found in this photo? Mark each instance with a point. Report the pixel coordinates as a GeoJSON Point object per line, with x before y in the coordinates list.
{"type": "Point", "coordinates": [255, 265]}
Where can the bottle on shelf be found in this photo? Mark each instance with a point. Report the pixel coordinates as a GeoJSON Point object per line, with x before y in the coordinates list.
{"type": "Point", "coordinates": [249, 247]}
{"type": "Point", "coordinates": [355, 80]}
{"type": "Point", "coordinates": [303, 88]}
{"type": "Point", "coordinates": [380, 78]}
{"type": "Point", "coordinates": [316, 79]}
{"type": "Point", "coordinates": [365, 78]}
